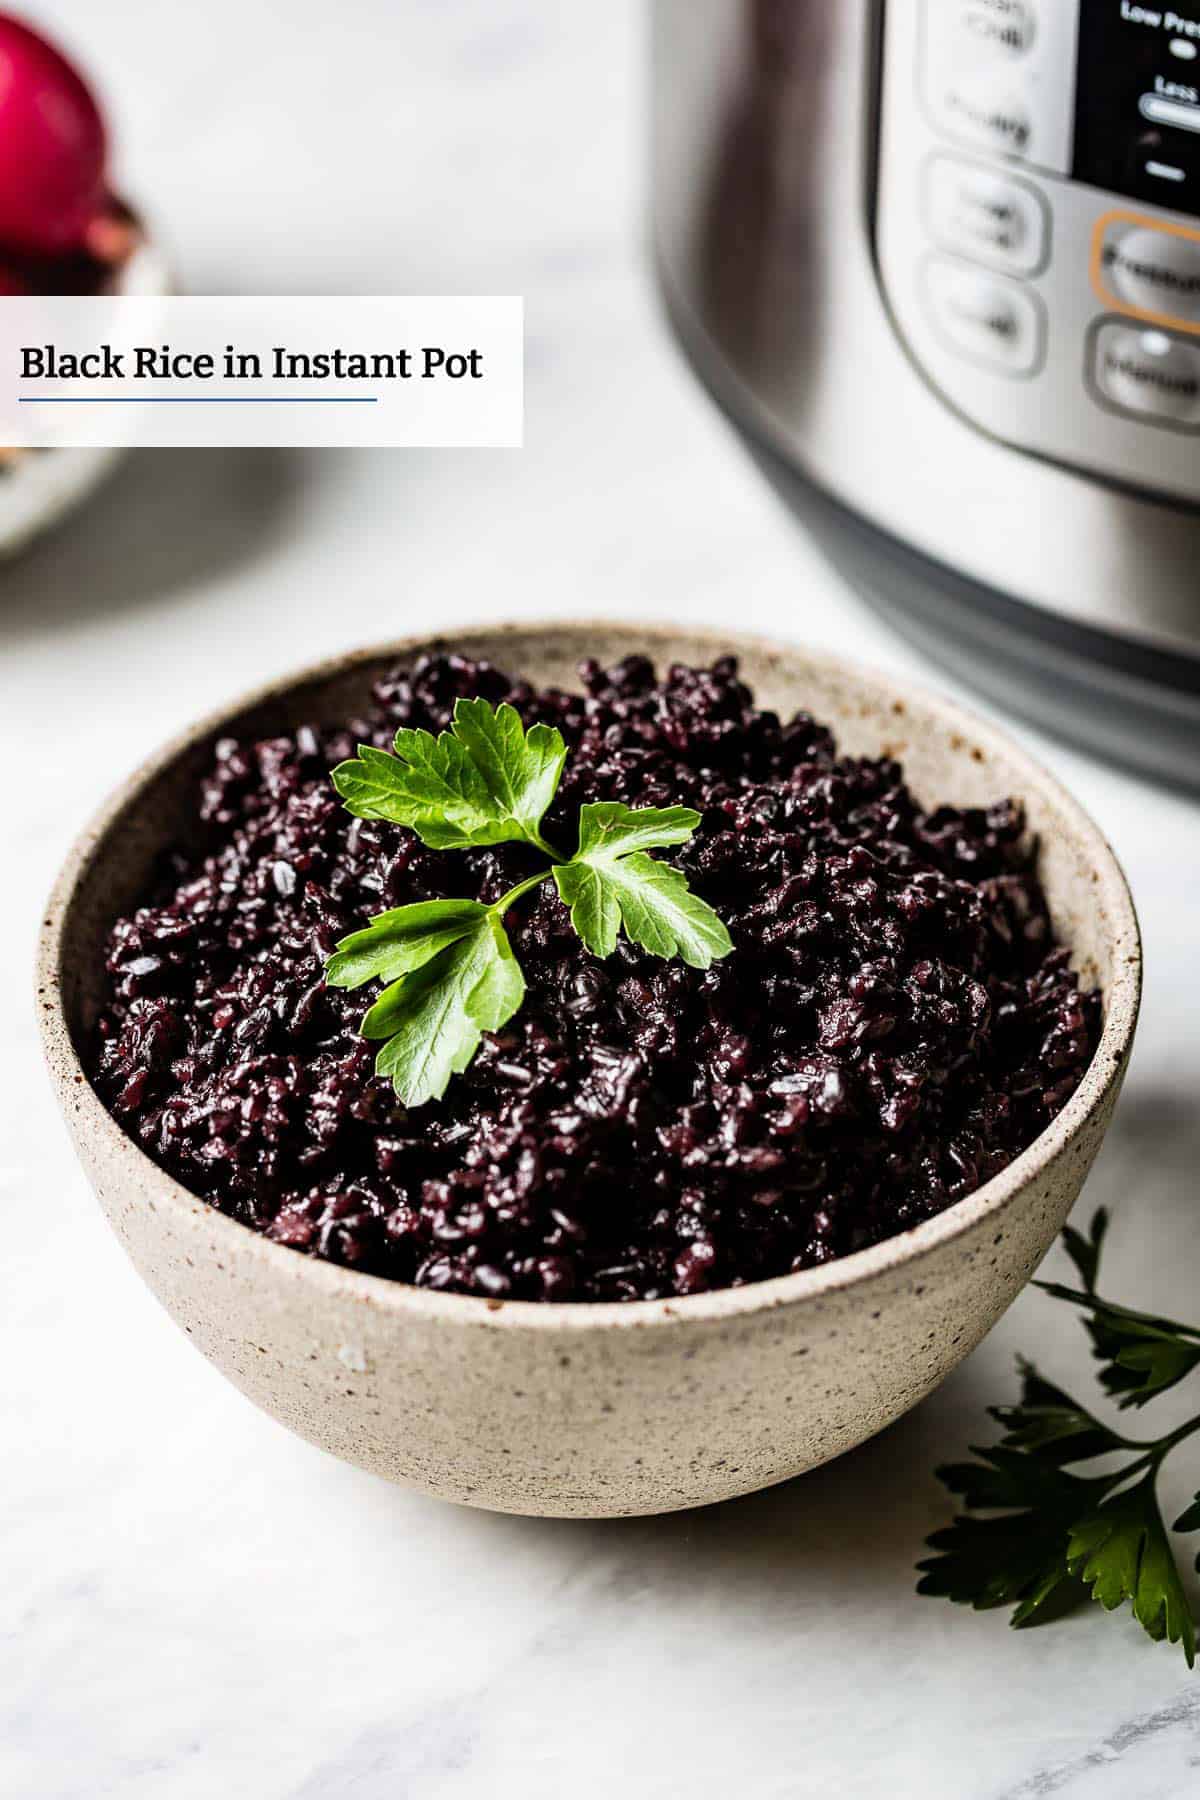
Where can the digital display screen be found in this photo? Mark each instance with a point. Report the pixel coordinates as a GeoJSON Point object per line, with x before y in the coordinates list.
{"type": "Point", "coordinates": [1137, 108]}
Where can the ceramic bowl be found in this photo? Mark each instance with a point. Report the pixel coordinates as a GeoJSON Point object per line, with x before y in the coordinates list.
{"type": "Point", "coordinates": [597, 1410]}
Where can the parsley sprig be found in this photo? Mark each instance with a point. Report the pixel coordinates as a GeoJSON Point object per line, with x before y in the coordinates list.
{"type": "Point", "coordinates": [1051, 1538]}
{"type": "Point", "coordinates": [449, 965]}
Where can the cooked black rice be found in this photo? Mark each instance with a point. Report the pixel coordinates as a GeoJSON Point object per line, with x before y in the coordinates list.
{"type": "Point", "coordinates": [895, 1024]}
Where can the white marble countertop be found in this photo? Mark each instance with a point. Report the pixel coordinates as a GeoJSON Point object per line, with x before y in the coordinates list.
{"type": "Point", "coordinates": [196, 1603]}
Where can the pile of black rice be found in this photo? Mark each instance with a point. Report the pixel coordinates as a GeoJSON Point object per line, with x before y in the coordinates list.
{"type": "Point", "coordinates": [894, 1025]}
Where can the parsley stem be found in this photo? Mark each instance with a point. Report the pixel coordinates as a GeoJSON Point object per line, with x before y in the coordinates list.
{"type": "Point", "coordinates": [501, 906]}
{"type": "Point", "coordinates": [1154, 1449]}
{"type": "Point", "coordinates": [539, 843]}
{"type": "Point", "coordinates": [1167, 1444]}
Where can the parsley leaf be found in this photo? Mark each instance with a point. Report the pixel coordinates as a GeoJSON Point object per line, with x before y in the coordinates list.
{"type": "Point", "coordinates": [396, 942]}
{"type": "Point", "coordinates": [611, 881]}
{"type": "Point", "coordinates": [450, 967]}
{"type": "Point", "coordinates": [434, 1017]}
{"type": "Point", "coordinates": [1121, 1552]}
{"type": "Point", "coordinates": [1052, 1537]}
{"type": "Point", "coordinates": [1189, 1520]}
{"type": "Point", "coordinates": [1085, 1252]}
{"type": "Point", "coordinates": [1142, 1356]}
{"type": "Point", "coordinates": [607, 826]}
{"type": "Point", "coordinates": [1048, 1422]}
{"type": "Point", "coordinates": [521, 769]}
{"type": "Point", "coordinates": [485, 781]}
{"type": "Point", "coordinates": [1020, 1558]}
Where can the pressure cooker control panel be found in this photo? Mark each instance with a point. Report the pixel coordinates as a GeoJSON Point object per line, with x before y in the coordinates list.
{"type": "Point", "coordinates": [1038, 223]}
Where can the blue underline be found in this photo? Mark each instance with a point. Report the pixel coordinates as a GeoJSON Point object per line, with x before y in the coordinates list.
{"type": "Point", "coordinates": [198, 400]}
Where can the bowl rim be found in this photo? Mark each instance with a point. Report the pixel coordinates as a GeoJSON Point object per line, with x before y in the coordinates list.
{"type": "Point", "coordinates": [75, 1090]}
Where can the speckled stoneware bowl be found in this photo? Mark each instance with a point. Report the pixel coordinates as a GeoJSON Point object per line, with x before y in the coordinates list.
{"type": "Point", "coordinates": [595, 1410]}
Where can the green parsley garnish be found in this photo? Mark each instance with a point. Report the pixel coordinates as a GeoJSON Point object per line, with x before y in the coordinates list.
{"type": "Point", "coordinates": [449, 964]}
{"type": "Point", "coordinates": [1052, 1538]}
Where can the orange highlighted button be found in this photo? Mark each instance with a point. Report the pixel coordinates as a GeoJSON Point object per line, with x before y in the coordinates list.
{"type": "Point", "coordinates": [1148, 269]}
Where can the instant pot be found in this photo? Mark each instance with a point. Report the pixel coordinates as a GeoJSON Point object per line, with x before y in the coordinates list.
{"type": "Point", "coordinates": [940, 261]}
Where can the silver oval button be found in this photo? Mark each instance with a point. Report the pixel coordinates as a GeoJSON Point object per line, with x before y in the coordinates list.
{"type": "Point", "coordinates": [980, 212]}
{"type": "Point", "coordinates": [1148, 373]}
{"type": "Point", "coordinates": [1156, 271]}
{"type": "Point", "coordinates": [990, 320]}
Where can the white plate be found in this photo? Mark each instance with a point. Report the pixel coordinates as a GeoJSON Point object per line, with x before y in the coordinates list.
{"type": "Point", "coordinates": [43, 487]}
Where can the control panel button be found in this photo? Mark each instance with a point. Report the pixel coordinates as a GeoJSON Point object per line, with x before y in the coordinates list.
{"type": "Point", "coordinates": [985, 112]}
{"type": "Point", "coordinates": [1000, 75]}
{"type": "Point", "coordinates": [995, 322]}
{"type": "Point", "coordinates": [1002, 27]}
{"type": "Point", "coordinates": [1150, 268]}
{"type": "Point", "coordinates": [1148, 373]}
{"type": "Point", "coordinates": [982, 213]}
